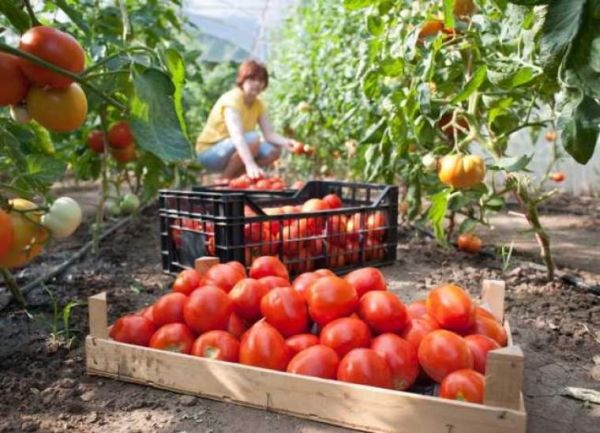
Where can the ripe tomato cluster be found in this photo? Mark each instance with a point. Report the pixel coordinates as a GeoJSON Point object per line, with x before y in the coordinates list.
{"type": "Point", "coordinates": [55, 101]}
{"type": "Point", "coordinates": [350, 328]}
{"type": "Point", "coordinates": [120, 142]}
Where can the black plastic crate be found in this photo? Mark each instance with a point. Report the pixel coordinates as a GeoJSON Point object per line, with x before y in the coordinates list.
{"type": "Point", "coordinates": [242, 225]}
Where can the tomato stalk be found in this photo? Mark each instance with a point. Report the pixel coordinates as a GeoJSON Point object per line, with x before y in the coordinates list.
{"type": "Point", "coordinates": [34, 20]}
{"type": "Point", "coordinates": [104, 195]}
{"type": "Point", "coordinates": [13, 287]}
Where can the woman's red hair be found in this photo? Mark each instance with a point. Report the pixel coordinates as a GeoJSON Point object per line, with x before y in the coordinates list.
{"type": "Point", "coordinates": [252, 69]}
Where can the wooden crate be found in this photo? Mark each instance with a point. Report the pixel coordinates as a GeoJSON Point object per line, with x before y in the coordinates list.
{"type": "Point", "coordinates": [349, 405]}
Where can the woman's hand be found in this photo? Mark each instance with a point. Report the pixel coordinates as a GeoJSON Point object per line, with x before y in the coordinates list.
{"type": "Point", "coordinates": [290, 144]}
{"type": "Point", "coordinates": [254, 171]}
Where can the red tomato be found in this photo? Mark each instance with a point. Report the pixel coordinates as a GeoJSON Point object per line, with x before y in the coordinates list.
{"type": "Point", "coordinates": [119, 135]}
{"type": "Point", "coordinates": [441, 352]}
{"type": "Point", "coordinates": [336, 230]}
{"type": "Point", "coordinates": [451, 306]}
{"type": "Point", "coordinates": [366, 367]}
{"type": "Point", "coordinates": [353, 227]}
{"type": "Point", "coordinates": [7, 233]}
{"type": "Point", "coordinates": [10, 72]}
{"type": "Point", "coordinates": [366, 279]}
{"type": "Point", "coordinates": [224, 276]}
{"type": "Point", "coordinates": [239, 183]}
{"type": "Point", "coordinates": [148, 313]}
{"type": "Point", "coordinates": [246, 296]}
{"type": "Point", "coordinates": [333, 201]}
{"type": "Point", "coordinates": [187, 281]}
{"type": "Point", "coordinates": [266, 266]}
{"type": "Point", "coordinates": [465, 385]}
{"type": "Point", "coordinates": [330, 298]}
{"type": "Point", "coordinates": [169, 308]}
{"type": "Point", "coordinates": [416, 309]}
{"type": "Point", "coordinates": [56, 47]}
{"type": "Point", "coordinates": [298, 185]}
{"type": "Point", "coordinates": [207, 308]}
{"type": "Point", "coordinates": [345, 334]}
{"type": "Point", "coordinates": [285, 309]}
{"type": "Point", "coordinates": [480, 345]}
{"type": "Point", "coordinates": [324, 273]}
{"type": "Point", "coordinates": [482, 312]}
{"type": "Point", "coordinates": [416, 329]}
{"type": "Point", "coordinates": [95, 141]}
{"type": "Point", "coordinates": [272, 282]}
{"type": "Point", "coordinates": [263, 184]}
{"type": "Point", "coordinates": [264, 346]}
{"type": "Point", "coordinates": [302, 282]}
{"type": "Point", "coordinates": [402, 358]}
{"type": "Point", "coordinates": [236, 326]}
{"type": "Point", "coordinates": [376, 225]}
{"type": "Point", "coordinates": [382, 311]}
{"type": "Point", "coordinates": [298, 343]}
{"type": "Point", "coordinates": [373, 250]}
{"type": "Point", "coordinates": [315, 225]}
{"type": "Point", "coordinates": [219, 345]}
{"type": "Point", "coordinates": [277, 186]}
{"type": "Point", "coordinates": [133, 329]}
{"type": "Point", "coordinates": [238, 266]}
{"type": "Point", "coordinates": [317, 361]}
{"type": "Point", "coordinates": [489, 328]}
{"type": "Point", "coordinates": [174, 337]}
{"type": "Point", "coordinates": [124, 155]}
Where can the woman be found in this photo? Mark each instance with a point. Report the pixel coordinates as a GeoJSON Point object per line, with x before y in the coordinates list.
{"type": "Point", "coordinates": [229, 142]}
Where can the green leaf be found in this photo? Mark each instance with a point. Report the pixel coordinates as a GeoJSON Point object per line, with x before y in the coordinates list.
{"type": "Point", "coordinates": [44, 169]}
{"type": "Point", "coordinates": [375, 25]}
{"type": "Point", "coordinates": [512, 164]}
{"type": "Point", "coordinates": [474, 83]}
{"type": "Point", "coordinates": [522, 76]}
{"type": "Point", "coordinates": [530, 2]}
{"type": "Point", "coordinates": [561, 25]}
{"type": "Point", "coordinates": [353, 5]}
{"type": "Point", "coordinates": [392, 67]}
{"type": "Point", "coordinates": [374, 131]}
{"type": "Point", "coordinates": [370, 85]}
{"type": "Point", "coordinates": [16, 16]}
{"type": "Point", "coordinates": [437, 212]}
{"type": "Point", "coordinates": [74, 14]}
{"type": "Point", "coordinates": [154, 120]}
{"type": "Point", "coordinates": [176, 66]}
{"type": "Point", "coordinates": [495, 203]}
{"type": "Point", "coordinates": [467, 226]}
{"type": "Point", "coordinates": [449, 14]}
{"type": "Point", "coordinates": [580, 128]}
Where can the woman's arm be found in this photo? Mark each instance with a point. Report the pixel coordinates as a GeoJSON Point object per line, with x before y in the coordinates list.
{"type": "Point", "coordinates": [233, 122]}
{"type": "Point", "coordinates": [271, 136]}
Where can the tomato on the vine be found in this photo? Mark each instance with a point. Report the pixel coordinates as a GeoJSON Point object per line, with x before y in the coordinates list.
{"type": "Point", "coordinates": [59, 110]}
{"type": "Point", "coordinates": [63, 217]}
{"type": "Point", "coordinates": [15, 84]}
{"type": "Point", "coordinates": [124, 155]}
{"type": "Point", "coordinates": [95, 141]}
{"type": "Point", "coordinates": [120, 136]}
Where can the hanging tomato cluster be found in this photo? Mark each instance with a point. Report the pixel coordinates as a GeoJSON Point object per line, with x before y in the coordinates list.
{"type": "Point", "coordinates": [54, 100]}
{"type": "Point", "coordinates": [350, 329]}
{"type": "Point", "coordinates": [121, 142]}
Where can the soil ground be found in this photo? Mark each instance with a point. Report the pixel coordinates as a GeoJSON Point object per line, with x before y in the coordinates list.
{"type": "Point", "coordinates": [44, 387]}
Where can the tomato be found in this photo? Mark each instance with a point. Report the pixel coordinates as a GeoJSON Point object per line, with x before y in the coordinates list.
{"type": "Point", "coordinates": [490, 328]}
{"type": "Point", "coordinates": [430, 28]}
{"type": "Point", "coordinates": [133, 329]}
{"type": "Point", "coordinates": [480, 345]}
{"type": "Point", "coordinates": [236, 326]}
{"type": "Point", "coordinates": [237, 266]}
{"type": "Point", "coordinates": [148, 313]}
{"type": "Point", "coordinates": [376, 225]}
{"type": "Point", "coordinates": [465, 385]}
{"type": "Point", "coordinates": [207, 308]}
{"type": "Point", "coordinates": [304, 280]}
{"type": "Point", "coordinates": [441, 352]}
{"type": "Point", "coordinates": [219, 345]}
{"type": "Point", "coordinates": [119, 135]}
{"type": "Point", "coordinates": [461, 171]}
{"type": "Point", "coordinates": [366, 279]}
{"type": "Point", "coordinates": [187, 281]}
{"type": "Point", "coordinates": [451, 306]}
{"type": "Point", "coordinates": [264, 346]}
{"type": "Point", "coordinates": [285, 309]}
{"type": "Point", "coordinates": [558, 177]}
{"type": "Point", "coordinates": [318, 361]}
{"type": "Point", "coordinates": [263, 184]}
{"type": "Point", "coordinates": [416, 309]}
{"type": "Point", "coordinates": [482, 312]}
{"type": "Point", "coordinates": [298, 343]}
{"type": "Point", "coordinates": [124, 155]}
{"type": "Point", "coordinates": [416, 329]}
{"type": "Point", "coordinates": [53, 46]}
{"type": "Point", "coordinates": [169, 308]}
{"type": "Point", "coordinates": [373, 250]}
{"type": "Point", "coordinates": [10, 72]}
{"type": "Point", "coordinates": [224, 276]}
{"type": "Point", "coordinates": [266, 266]}
{"type": "Point", "coordinates": [352, 252]}
{"type": "Point", "coordinates": [402, 358]}
{"type": "Point", "coordinates": [59, 110]}
{"type": "Point", "coordinates": [315, 225]}
{"type": "Point", "coordinates": [129, 203]}
{"type": "Point", "coordinates": [337, 257]}
{"type": "Point", "coordinates": [95, 141]}
{"type": "Point", "coordinates": [353, 227]}
{"type": "Point", "coordinates": [324, 273]}
{"type": "Point", "coordinates": [333, 201]}
{"type": "Point", "coordinates": [330, 298]}
{"type": "Point", "coordinates": [298, 185]}
{"type": "Point", "coordinates": [174, 337]}
{"type": "Point", "coordinates": [272, 282]}
{"type": "Point", "coordinates": [7, 234]}
{"type": "Point", "coordinates": [246, 296]}
{"type": "Point", "coordinates": [277, 186]}
{"type": "Point", "coordinates": [550, 135]}
{"type": "Point", "coordinates": [336, 230]}
{"type": "Point", "coordinates": [382, 311]}
{"type": "Point", "coordinates": [29, 236]}
{"type": "Point", "coordinates": [464, 8]}
{"type": "Point", "coordinates": [469, 242]}
{"type": "Point", "coordinates": [63, 218]}
{"type": "Point", "coordinates": [345, 334]}
{"type": "Point", "coordinates": [239, 183]}
{"type": "Point", "coordinates": [366, 367]}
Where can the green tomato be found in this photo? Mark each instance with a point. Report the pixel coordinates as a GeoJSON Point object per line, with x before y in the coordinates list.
{"type": "Point", "coordinates": [63, 218]}
{"type": "Point", "coordinates": [129, 203]}
{"type": "Point", "coordinates": [113, 208]}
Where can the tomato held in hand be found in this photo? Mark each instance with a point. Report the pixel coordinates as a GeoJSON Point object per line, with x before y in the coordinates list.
{"type": "Point", "coordinates": [207, 308]}
{"type": "Point", "coordinates": [366, 367]}
{"type": "Point", "coordinates": [365, 280]}
{"type": "Point", "coordinates": [246, 296]}
{"type": "Point", "coordinates": [266, 266]}
{"type": "Point", "coordinates": [285, 309]}
{"type": "Point", "coordinates": [480, 345]}
{"type": "Point", "coordinates": [442, 352]}
{"type": "Point", "coordinates": [297, 343]}
{"type": "Point", "coordinates": [451, 306]}
{"type": "Point", "coordinates": [169, 308]}
{"type": "Point", "coordinates": [264, 346]}
{"type": "Point", "coordinates": [402, 358]}
{"type": "Point", "coordinates": [15, 85]}
{"type": "Point", "coordinates": [464, 385]}
{"type": "Point", "coordinates": [187, 281]}
{"type": "Point", "coordinates": [330, 298]}
{"type": "Point", "coordinates": [219, 345]}
{"type": "Point", "coordinates": [133, 329]}
{"type": "Point", "coordinates": [317, 361]}
{"type": "Point", "coordinates": [174, 337]}
{"type": "Point", "coordinates": [345, 334]}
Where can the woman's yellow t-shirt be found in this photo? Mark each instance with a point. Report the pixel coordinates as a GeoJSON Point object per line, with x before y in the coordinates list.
{"type": "Point", "coordinates": [215, 129]}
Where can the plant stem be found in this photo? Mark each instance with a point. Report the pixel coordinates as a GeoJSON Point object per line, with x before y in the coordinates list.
{"type": "Point", "coordinates": [34, 20]}
{"type": "Point", "coordinates": [13, 287]}
{"type": "Point", "coordinates": [104, 194]}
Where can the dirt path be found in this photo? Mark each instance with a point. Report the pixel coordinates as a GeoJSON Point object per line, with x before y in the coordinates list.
{"type": "Point", "coordinates": [45, 388]}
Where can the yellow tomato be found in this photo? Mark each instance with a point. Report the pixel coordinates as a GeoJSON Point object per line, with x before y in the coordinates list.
{"type": "Point", "coordinates": [461, 171]}
{"type": "Point", "coordinates": [6, 233]}
{"type": "Point", "coordinates": [59, 110]}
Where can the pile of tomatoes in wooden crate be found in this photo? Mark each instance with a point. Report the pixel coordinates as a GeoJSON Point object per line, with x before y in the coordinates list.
{"type": "Point", "coordinates": [347, 328]}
